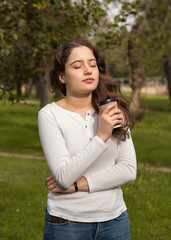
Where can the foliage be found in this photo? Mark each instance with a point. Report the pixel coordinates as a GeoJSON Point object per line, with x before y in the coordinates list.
{"type": "Point", "coordinates": [30, 31]}
{"type": "Point", "coordinates": [153, 38]}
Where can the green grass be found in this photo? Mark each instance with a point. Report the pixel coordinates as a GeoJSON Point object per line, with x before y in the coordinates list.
{"type": "Point", "coordinates": [156, 103]}
{"type": "Point", "coordinates": [153, 102]}
{"type": "Point", "coordinates": [149, 205]}
{"type": "Point", "coordinates": [152, 138]}
{"type": "Point", "coordinates": [23, 198]}
{"type": "Point", "coordinates": [18, 128]}
{"type": "Point", "coordinates": [22, 190]}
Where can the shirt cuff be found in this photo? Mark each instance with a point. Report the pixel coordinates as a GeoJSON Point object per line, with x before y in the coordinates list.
{"type": "Point", "coordinates": [90, 184]}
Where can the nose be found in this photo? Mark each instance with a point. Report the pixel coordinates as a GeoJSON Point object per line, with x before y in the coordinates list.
{"type": "Point", "coordinates": [87, 70]}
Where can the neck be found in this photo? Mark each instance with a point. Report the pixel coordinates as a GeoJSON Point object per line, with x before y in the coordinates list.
{"type": "Point", "coordinates": [79, 103]}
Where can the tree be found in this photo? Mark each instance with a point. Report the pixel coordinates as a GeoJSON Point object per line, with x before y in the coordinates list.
{"type": "Point", "coordinates": [158, 37]}
{"type": "Point", "coordinates": [135, 61]}
{"type": "Point", "coordinates": [148, 42]}
{"type": "Point", "coordinates": [152, 43]}
{"type": "Point", "coordinates": [167, 70]}
{"type": "Point", "coordinates": [37, 29]}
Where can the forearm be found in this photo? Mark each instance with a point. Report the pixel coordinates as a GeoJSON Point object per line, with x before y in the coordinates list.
{"type": "Point", "coordinates": [82, 185]}
{"type": "Point", "coordinates": [55, 188]}
{"type": "Point", "coordinates": [123, 171]}
{"type": "Point", "coordinates": [111, 178]}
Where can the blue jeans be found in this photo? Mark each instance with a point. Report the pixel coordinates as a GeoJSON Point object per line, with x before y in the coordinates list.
{"type": "Point", "coordinates": [115, 229]}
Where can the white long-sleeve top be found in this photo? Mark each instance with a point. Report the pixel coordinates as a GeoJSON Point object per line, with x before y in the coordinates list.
{"type": "Point", "coordinates": [72, 150]}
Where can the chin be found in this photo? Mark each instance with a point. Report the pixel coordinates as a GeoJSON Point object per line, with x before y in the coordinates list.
{"type": "Point", "coordinates": [90, 89]}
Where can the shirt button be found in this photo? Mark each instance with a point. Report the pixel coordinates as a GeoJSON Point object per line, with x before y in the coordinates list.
{"type": "Point", "coordinates": [86, 126]}
{"type": "Point", "coordinates": [88, 113]}
{"type": "Point", "coordinates": [90, 139]}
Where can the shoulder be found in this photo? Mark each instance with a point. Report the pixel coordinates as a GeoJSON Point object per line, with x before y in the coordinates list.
{"type": "Point", "coordinates": [49, 116]}
{"type": "Point", "coordinates": [45, 114]}
{"type": "Point", "coordinates": [52, 113]}
{"type": "Point", "coordinates": [50, 109]}
{"type": "Point", "coordinates": [47, 109]}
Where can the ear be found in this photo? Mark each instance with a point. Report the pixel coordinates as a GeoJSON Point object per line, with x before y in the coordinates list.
{"type": "Point", "coordinates": [61, 78]}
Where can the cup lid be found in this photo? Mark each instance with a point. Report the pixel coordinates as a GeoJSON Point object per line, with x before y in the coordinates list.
{"type": "Point", "coordinates": [107, 101]}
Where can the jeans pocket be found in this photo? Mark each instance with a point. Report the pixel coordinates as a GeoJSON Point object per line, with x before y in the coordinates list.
{"type": "Point", "coordinates": [56, 221]}
{"type": "Point", "coordinates": [58, 224]}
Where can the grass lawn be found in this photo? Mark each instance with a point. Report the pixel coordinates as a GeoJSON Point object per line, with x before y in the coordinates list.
{"type": "Point", "coordinates": [152, 136]}
{"type": "Point", "coordinates": [18, 128]}
{"type": "Point", "coordinates": [149, 205]}
{"type": "Point", "coordinates": [22, 190]}
{"type": "Point", "coordinates": [155, 102]}
{"type": "Point", "coordinates": [152, 139]}
{"type": "Point", "coordinates": [23, 199]}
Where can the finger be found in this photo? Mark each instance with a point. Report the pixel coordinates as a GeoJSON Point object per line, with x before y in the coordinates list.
{"type": "Point", "coordinates": [48, 179]}
{"type": "Point", "coordinates": [113, 112]}
{"type": "Point", "coordinates": [116, 122]}
{"type": "Point", "coordinates": [52, 186]}
{"type": "Point", "coordinates": [50, 182]}
{"type": "Point", "coordinates": [116, 117]}
{"type": "Point", "coordinates": [55, 190]}
{"type": "Point", "coordinates": [109, 107]}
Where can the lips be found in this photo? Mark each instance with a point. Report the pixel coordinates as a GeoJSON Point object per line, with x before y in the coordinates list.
{"type": "Point", "coordinates": [88, 80]}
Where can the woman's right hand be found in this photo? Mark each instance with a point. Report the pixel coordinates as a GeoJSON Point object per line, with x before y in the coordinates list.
{"type": "Point", "coordinates": [55, 188]}
{"type": "Point", "coordinates": [107, 120]}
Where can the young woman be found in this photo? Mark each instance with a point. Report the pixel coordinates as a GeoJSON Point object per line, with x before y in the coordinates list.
{"type": "Point", "coordinates": [88, 158]}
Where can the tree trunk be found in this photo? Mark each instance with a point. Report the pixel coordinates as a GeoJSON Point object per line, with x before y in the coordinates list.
{"type": "Point", "coordinates": [167, 70]}
{"type": "Point", "coordinates": [19, 91]}
{"type": "Point", "coordinates": [29, 88]}
{"type": "Point", "coordinates": [137, 72]}
{"type": "Point", "coordinates": [135, 102]}
{"type": "Point", "coordinates": [37, 89]}
{"type": "Point", "coordinates": [42, 88]}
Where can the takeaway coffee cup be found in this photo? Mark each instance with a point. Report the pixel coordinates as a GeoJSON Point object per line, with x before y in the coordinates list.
{"type": "Point", "coordinates": [103, 104]}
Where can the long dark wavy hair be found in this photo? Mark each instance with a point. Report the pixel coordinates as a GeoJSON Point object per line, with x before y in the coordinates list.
{"type": "Point", "coordinates": [107, 87]}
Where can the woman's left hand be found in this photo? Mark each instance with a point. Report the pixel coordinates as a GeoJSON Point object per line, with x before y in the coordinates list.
{"type": "Point", "coordinates": [55, 188]}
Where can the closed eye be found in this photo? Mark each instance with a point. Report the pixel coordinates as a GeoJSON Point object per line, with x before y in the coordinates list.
{"type": "Point", "coordinates": [77, 67]}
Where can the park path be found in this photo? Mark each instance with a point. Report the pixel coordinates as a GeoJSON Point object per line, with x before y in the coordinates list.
{"type": "Point", "coordinates": [20, 155]}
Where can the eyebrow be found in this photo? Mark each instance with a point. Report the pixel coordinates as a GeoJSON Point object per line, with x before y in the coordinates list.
{"type": "Point", "coordinates": [82, 61]}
